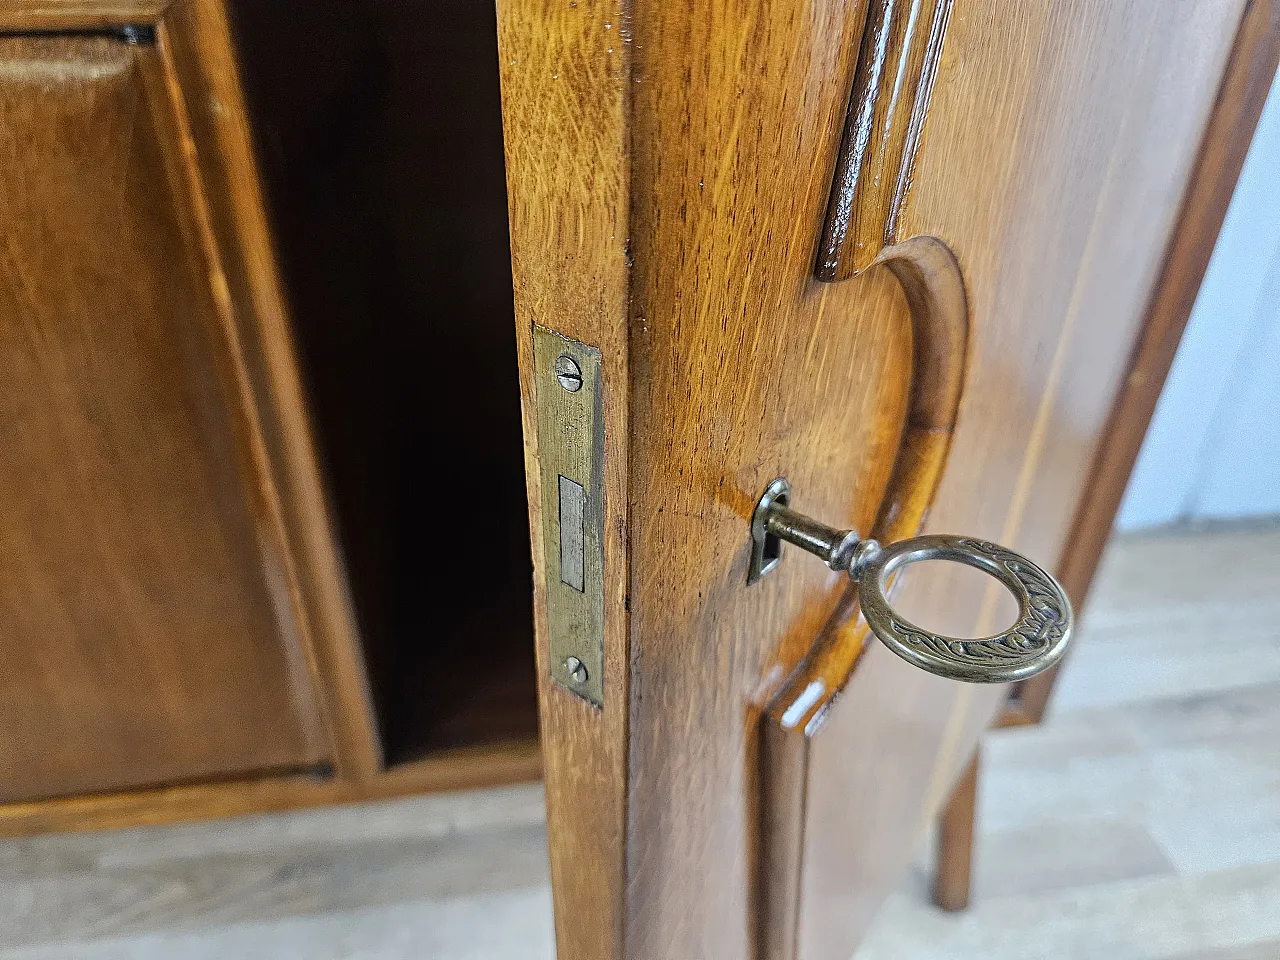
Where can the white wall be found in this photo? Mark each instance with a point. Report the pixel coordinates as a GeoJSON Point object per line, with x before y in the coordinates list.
{"type": "Point", "coordinates": [1213, 450]}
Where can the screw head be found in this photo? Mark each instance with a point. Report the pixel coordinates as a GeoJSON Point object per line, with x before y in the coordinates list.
{"type": "Point", "coordinates": [568, 373]}
{"type": "Point", "coordinates": [576, 670]}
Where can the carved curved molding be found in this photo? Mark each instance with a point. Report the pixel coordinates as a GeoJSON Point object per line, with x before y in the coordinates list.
{"type": "Point", "coordinates": [892, 86]}
{"type": "Point", "coordinates": [934, 288]}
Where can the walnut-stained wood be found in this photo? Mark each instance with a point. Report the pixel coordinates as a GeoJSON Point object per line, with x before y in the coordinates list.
{"type": "Point", "coordinates": [146, 630]}
{"type": "Point", "coordinates": [897, 62]}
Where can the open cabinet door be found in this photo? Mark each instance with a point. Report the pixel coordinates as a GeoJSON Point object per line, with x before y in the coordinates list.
{"type": "Point", "coordinates": [898, 253]}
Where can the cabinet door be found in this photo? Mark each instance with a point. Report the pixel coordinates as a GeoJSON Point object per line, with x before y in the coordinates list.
{"type": "Point", "coordinates": [937, 343]}
{"type": "Point", "coordinates": [148, 632]}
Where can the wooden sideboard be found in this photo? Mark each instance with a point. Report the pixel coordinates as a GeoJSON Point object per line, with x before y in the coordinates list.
{"type": "Point", "coordinates": [222, 589]}
{"type": "Point", "coordinates": [275, 426]}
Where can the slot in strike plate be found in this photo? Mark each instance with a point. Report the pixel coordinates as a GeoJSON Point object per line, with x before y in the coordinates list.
{"type": "Point", "coordinates": [570, 466]}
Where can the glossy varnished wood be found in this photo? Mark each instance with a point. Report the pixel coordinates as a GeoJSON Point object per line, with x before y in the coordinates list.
{"type": "Point", "coordinates": [40, 15]}
{"type": "Point", "coordinates": [934, 290]}
{"type": "Point", "coordinates": [566, 71]}
{"type": "Point", "coordinates": [892, 86]}
{"type": "Point", "coordinates": [1243, 92]}
{"type": "Point", "coordinates": [1029, 200]}
{"type": "Point", "coordinates": [930, 278]}
{"type": "Point", "coordinates": [209, 139]}
{"type": "Point", "coordinates": [228, 215]}
{"type": "Point", "coordinates": [143, 629]}
{"type": "Point", "coordinates": [741, 368]}
{"type": "Point", "coordinates": [744, 368]}
{"type": "Point", "coordinates": [1245, 85]}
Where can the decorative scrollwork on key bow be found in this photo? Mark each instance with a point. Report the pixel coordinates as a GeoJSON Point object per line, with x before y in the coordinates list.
{"type": "Point", "coordinates": [1036, 641]}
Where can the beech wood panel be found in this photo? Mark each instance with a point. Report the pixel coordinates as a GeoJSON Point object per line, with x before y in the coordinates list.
{"type": "Point", "coordinates": [144, 636]}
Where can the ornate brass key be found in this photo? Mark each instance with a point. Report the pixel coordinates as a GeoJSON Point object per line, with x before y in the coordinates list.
{"type": "Point", "coordinates": [1036, 641]}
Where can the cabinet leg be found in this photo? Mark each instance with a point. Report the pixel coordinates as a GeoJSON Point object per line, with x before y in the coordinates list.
{"type": "Point", "coordinates": [954, 864]}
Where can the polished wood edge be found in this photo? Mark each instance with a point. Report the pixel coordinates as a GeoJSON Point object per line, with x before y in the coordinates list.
{"type": "Point", "coordinates": [302, 558]}
{"type": "Point", "coordinates": [934, 289]}
{"type": "Point", "coordinates": [784, 779]}
{"type": "Point", "coordinates": [472, 767]}
{"type": "Point", "coordinates": [952, 877]}
{"type": "Point", "coordinates": [566, 117]}
{"type": "Point", "coordinates": [931, 280]}
{"type": "Point", "coordinates": [1012, 715]}
{"type": "Point", "coordinates": [892, 87]}
{"type": "Point", "coordinates": [1246, 83]}
{"type": "Point", "coordinates": [18, 16]}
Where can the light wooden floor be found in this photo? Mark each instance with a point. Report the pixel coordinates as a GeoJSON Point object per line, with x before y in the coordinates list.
{"type": "Point", "coordinates": [1141, 821]}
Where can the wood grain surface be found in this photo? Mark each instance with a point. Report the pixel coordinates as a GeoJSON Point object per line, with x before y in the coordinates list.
{"type": "Point", "coordinates": [1093, 835]}
{"type": "Point", "coordinates": [143, 631]}
{"type": "Point", "coordinates": [1050, 126]}
{"type": "Point", "coordinates": [201, 146]}
{"type": "Point", "coordinates": [1245, 85]}
{"type": "Point", "coordinates": [930, 278]}
{"type": "Point", "coordinates": [744, 368]}
{"type": "Point", "coordinates": [490, 765]}
{"type": "Point", "coordinates": [1030, 200]}
{"type": "Point", "coordinates": [565, 70]}
{"type": "Point", "coordinates": [952, 879]}
{"type": "Point", "coordinates": [441, 733]}
{"type": "Point", "coordinates": [379, 134]}
{"type": "Point", "coordinates": [48, 15]}
{"type": "Point", "coordinates": [1244, 89]}
{"type": "Point", "coordinates": [892, 86]}
{"type": "Point", "coordinates": [228, 216]}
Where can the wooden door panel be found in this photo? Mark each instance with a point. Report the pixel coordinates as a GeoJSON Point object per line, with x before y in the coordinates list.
{"type": "Point", "coordinates": [1058, 206]}
{"type": "Point", "coordinates": [145, 638]}
{"type": "Point", "coordinates": [669, 173]}
{"type": "Point", "coordinates": [746, 368]}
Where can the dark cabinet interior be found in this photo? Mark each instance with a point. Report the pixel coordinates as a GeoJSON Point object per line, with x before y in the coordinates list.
{"type": "Point", "coordinates": [379, 132]}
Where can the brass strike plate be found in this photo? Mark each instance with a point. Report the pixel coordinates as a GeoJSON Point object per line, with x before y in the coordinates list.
{"type": "Point", "coordinates": [571, 464]}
